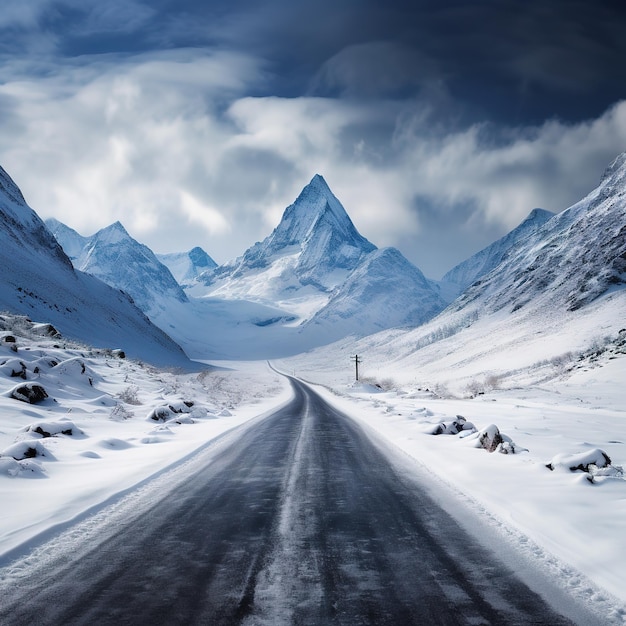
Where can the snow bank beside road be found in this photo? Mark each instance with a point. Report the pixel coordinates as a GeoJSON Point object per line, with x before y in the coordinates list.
{"type": "Point", "coordinates": [92, 438]}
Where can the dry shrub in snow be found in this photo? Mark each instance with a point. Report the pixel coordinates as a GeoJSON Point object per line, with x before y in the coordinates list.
{"type": "Point", "coordinates": [130, 395]}
{"type": "Point", "coordinates": [120, 413]}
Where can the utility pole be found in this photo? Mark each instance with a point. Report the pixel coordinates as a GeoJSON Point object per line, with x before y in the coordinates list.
{"type": "Point", "coordinates": [356, 359]}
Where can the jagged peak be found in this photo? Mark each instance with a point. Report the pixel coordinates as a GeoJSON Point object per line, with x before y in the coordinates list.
{"type": "Point", "coordinates": [200, 258]}
{"type": "Point", "coordinates": [8, 186]}
{"type": "Point", "coordinates": [538, 213]}
{"type": "Point", "coordinates": [115, 226]}
{"type": "Point", "coordinates": [315, 205]}
{"type": "Point", "coordinates": [319, 194]}
{"type": "Point", "coordinates": [616, 165]}
{"type": "Point", "coordinates": [114, 233]}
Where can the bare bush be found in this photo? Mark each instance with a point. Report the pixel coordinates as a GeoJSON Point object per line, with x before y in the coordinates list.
{"type": "Point", "coordinates": [120, 413]}
{"type": "Point", "coordinates": [130, 395]}
{"type": "Point", "coordinates": [492, 381]}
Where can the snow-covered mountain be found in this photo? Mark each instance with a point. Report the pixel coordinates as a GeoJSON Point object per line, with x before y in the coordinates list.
{"type": "Point", "coordinates": [311, 251]}
{"type": "Point", "coordinates": [557, 299]}
{"type": "Point", "coordinates": [460, 277]}
{"type": "Point", "coordinates": [187, 266]}
{"type": "Point", "coordinates": [117, 259]}
{"type": "Point", "coordinates": [573, 259]}
{"type": "Point", "coordinates": [319, 269]}
{"type": "Point", "coordinates": [38, 281]}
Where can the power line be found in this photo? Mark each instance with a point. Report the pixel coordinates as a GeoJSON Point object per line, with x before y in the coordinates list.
{"type": "Point", "coordinates": [356, 359]}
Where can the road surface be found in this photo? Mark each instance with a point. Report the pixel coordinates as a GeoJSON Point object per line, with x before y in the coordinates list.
{"type": "Point", "coordinates": [301, 521]}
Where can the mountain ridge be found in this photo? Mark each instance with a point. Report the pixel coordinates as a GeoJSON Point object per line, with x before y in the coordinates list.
{"type": "Point", "coordinates": [314, 266]}
{"type": "Point", "coordinates": [117, 259]}
{"type": "Point", "coordinates": [461, 276]}
{"type": "Point", "coordinates": [39, 281]}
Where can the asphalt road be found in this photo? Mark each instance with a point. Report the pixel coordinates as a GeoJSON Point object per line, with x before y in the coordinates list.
{"type": "Point", "coordinates": [301, 521]}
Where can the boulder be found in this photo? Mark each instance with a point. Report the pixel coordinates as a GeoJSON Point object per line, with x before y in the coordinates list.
{"type": "Point", "coordinates": [29, 392]}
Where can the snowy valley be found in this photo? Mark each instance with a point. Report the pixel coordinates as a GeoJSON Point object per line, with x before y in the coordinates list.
{"type": "Point", "coordinates": [502, 385]}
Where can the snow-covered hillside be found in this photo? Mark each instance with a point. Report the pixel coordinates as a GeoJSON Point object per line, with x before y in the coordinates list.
{"type": "Point", "coordinates": [38, 280]}
{"type": "Point", "coordinates": [384, 291]}
{"type": "Point", "coordinates": [187, 266]}
{"type": "Point", "coordinates": [460, 277]}
{"type": "Point", "coordinates": [102, 425]}
{"type": "Point", "coordinates": [117, 259]}
{"type": "Point", "coordinates": [575, 258]}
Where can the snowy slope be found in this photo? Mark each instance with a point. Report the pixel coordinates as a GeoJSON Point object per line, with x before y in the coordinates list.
{"type": "Point", "coordinates": [573, 259]}
{"type": "Point", "coordinates": [464, 274]}
{"type": "Point", "coordinates": [384, 291]}
{"type": "Point", "coordinates": [117, 259]}
{"type": "Point", "coordinates": [187, 266]}
{"type": "Point", "coordinates": [72, 242]}
{"type": "Point", "coordinates": [38, 280]}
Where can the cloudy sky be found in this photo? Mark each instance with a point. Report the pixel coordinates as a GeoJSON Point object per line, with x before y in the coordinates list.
{"type": "Point", "coordinates": [438, 124]}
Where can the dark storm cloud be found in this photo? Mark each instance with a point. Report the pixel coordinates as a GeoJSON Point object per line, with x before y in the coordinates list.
{"type": "Point", "coordinates": [506, 60]}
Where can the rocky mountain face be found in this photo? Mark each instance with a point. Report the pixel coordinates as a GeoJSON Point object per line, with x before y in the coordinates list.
{"type": "Point", "coordinates": [117, 259]}
{"type": "Point", "coordinates": [187, 266]}
{"type": "Point", "coordinates": [460, 277]}
{"type": "Point", "coordinates": [573, 259]}
{"type": "Point", "coordinates": [39, 281]}
{"type": "Point", "coordinates": [315, 245]}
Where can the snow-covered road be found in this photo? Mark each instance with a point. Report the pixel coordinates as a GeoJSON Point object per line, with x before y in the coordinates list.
{"type": "Point", "coordinates": [301, 520]}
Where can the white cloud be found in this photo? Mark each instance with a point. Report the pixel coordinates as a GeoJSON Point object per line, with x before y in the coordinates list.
{"type": "Point", "coordinates": [170, 145]}
{"type": "Point", "coordinates": [207, 217]}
